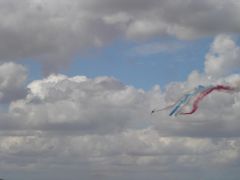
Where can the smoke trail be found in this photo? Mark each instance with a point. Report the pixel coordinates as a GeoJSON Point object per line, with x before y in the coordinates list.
{"type": "Point", "coordinates": [204, 94]}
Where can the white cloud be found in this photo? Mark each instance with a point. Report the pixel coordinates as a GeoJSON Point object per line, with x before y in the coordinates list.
{"type": "Point", "coordinates": [91, 125]}
{"type": "Point", "coordinates": [223, 56]}
{"type": "Point", "coordinates": [101, 105]}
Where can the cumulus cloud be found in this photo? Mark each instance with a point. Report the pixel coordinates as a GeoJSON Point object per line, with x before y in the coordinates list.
{"type": "Point", "coordinates": [92, 126]}
{"type": "Point", "coordinates": [217, 116]}
{"type": "Point", "coordinates": [223, 56]}
{"type": "Point", "coordinates": [61, 103]}
{"type": "Point", "coordinates": [53, 32]}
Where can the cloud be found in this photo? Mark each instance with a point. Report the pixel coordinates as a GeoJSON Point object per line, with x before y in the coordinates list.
{"type": "Point", "coordinates": [78, 104]}
{"type": "Point", "coordinates": [121, 155]}
{"type": "Point", "coordinates": [65, 127]}
{"type": "Point", "coordinates": [54, 32]}
{"type": "Point", "coordinates": [223, 57]}
{"type": "Point", "coordinates": [91, 126]}
{"type": "Point", "coordinates": [217, 116]}
{"type": "Point", "coordinates": [12, 82]}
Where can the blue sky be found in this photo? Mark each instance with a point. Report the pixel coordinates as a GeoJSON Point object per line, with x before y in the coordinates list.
{"type": "Point", "coordinates": [143, 71]}
{"type": "Point", "coordinates": [121, 60]}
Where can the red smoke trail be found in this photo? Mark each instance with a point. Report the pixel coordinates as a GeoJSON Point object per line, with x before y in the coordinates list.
{"type": "Point", "coordinates": [205, 93]}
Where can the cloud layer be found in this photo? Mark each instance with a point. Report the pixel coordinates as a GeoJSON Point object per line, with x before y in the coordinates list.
{"type": "Point", "coordinates": [54, 32]}
{"type": "Point", "coordinates": [66, 127]}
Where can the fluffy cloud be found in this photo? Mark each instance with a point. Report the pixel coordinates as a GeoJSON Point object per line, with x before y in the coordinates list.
{"type": "Point", "coordinates": [223, 56]}
{"type": "Point", "coordinates": [95, 127]}
{"type": "Point", "coordinates": [61, 103]}
{"type": "Point", "coordinates": [54, 32]}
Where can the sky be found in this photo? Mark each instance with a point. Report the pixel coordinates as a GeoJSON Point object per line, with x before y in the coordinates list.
{"type": "Point", "coordinates": [78, 80]}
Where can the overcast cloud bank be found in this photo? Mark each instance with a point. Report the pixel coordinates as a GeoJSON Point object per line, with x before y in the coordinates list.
{"type": "Point", "coordinates": [54, 32]}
